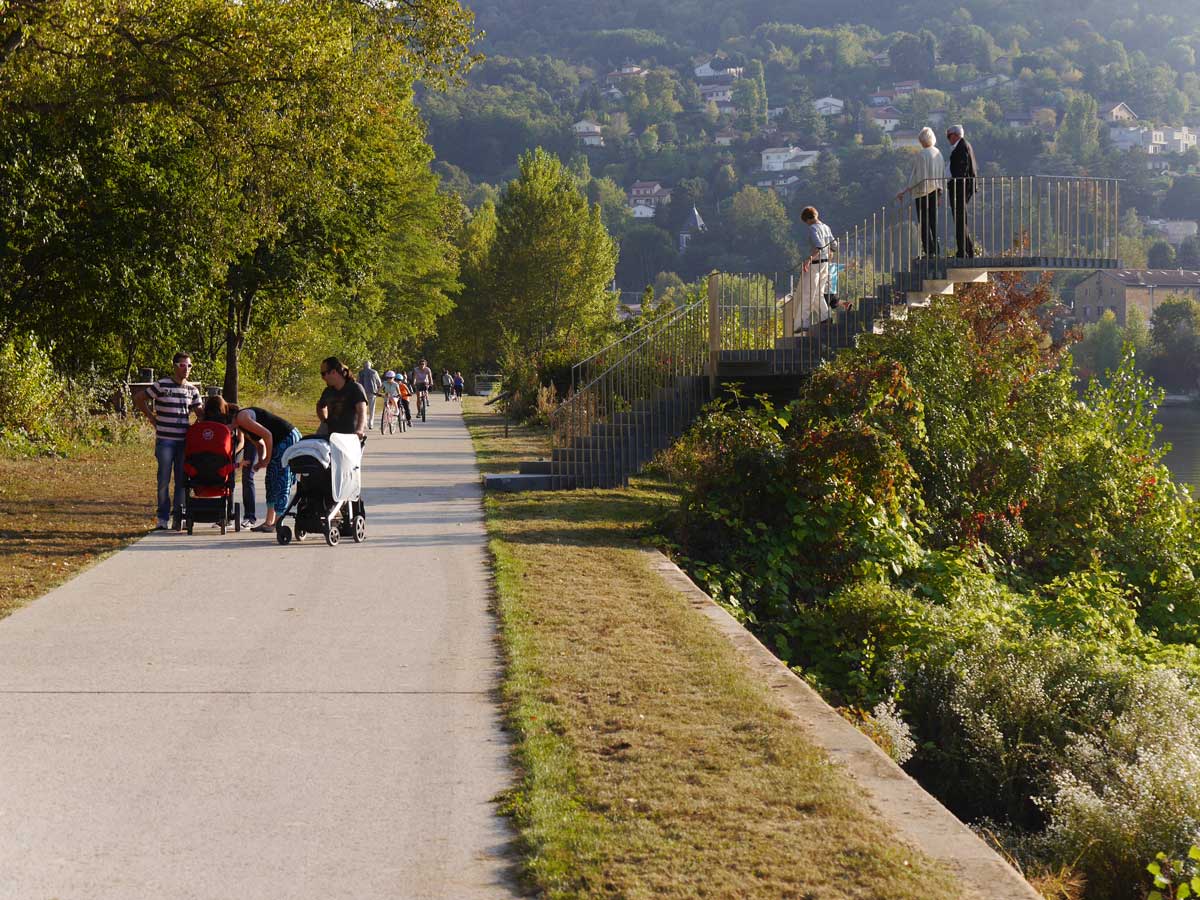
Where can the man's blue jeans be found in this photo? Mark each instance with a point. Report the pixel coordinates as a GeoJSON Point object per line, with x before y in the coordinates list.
{"type": "Point", "coordinates": [170, 458]}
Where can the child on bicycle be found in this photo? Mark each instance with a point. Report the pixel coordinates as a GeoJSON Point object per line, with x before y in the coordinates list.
{"type": "Point", "coordinates": [390, 391]}
{"type": "Point", "coordinates": [405, 393]}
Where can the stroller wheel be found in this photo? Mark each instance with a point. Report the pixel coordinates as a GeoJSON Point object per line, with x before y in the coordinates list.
{"type": "Point", "coordinates": [360, 529]}
{"type": "Point", "coordinates": [283, 534]}
{"type": "Point", "coordinates": [301, 534]}
{"type": "Point", "coordinates": [333, 534]}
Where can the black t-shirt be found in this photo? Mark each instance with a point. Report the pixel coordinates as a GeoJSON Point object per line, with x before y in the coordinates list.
{"type": "Point", "coordinates": [341, 405]}
{"type": "Point", "coordinates": [279, 427]}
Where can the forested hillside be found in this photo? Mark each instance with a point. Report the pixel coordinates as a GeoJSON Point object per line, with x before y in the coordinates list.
{"type": "Point", "coordinates": [1031, 81]}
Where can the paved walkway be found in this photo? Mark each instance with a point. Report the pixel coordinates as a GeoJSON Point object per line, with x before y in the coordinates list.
{"type": "Point", "coordinates": [224, 717]}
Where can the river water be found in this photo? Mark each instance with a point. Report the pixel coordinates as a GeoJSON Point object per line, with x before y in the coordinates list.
{"type": "Point", "coordinates": [1181, 429]}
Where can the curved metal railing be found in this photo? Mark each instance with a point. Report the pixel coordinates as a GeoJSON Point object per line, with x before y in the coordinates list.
{"type": "Point", "coordinates": [639, 393]}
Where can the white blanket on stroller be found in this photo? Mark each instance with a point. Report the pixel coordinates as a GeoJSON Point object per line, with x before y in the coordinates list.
{"type": "Point", "coordinates": [341, 454]}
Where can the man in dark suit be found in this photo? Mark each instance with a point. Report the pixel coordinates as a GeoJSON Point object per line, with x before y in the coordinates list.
{"type": "Point", "coordinates": [962, 187]}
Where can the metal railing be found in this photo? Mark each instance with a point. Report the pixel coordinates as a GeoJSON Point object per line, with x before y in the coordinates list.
{"type": "Point", "coordinates": [631, 399]}
{"type": "Point", "coordinates": [634, 396]}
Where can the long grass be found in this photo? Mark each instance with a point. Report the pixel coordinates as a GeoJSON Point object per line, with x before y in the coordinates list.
{"type": "Point", "coordinates": [652, 764]}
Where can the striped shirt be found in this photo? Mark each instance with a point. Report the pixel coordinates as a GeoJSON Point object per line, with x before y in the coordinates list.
{"type": "Point", "coordinates": [173, 405]}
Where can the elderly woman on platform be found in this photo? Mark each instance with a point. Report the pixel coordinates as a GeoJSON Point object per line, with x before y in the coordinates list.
{"type": "Point", "coordinates": [925, 185]}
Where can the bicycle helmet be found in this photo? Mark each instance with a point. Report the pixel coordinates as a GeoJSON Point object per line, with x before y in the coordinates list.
{"type": "Point", "coordinates": [389, 374]}
{"type": "Point", "coordinates": [401, 377]}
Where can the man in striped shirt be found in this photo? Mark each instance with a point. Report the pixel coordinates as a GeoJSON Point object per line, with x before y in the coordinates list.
{"type": "Point", "coordinates": [175, 399]}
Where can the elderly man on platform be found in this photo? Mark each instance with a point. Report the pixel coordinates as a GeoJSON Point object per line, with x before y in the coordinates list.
{"type": "Point", "coordinates": [963, 172]}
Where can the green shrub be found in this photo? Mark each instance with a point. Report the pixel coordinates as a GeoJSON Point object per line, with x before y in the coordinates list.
{"type": "Point", "coordinates": [41, 412]}
{"type": "Point", "coordinates": [31, 392]}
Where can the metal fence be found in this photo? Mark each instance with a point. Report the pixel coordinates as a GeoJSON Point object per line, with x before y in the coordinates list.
{"type": "Point", "coordinates": [631, 399]}
{"type": "Point", "coordinates": [639, 393]}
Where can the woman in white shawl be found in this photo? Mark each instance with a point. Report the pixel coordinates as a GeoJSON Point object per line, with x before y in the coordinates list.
{"type": "Point", "coordinates": [925, 186]}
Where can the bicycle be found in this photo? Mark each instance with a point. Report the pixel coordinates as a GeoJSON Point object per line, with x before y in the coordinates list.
{"type": "Point", "coordinates": [388, 421]}
{"type": "Point", "coordinates": [422, 400]}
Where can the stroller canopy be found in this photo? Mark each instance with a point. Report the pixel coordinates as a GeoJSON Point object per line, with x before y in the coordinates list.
{"type": "Point", "coordinates": [341, 454]}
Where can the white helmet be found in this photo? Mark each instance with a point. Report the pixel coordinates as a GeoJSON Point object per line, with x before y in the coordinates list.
{"type": "Point", "coordinates": [389, 374]}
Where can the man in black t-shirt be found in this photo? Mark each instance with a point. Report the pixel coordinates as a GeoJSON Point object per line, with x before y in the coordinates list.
{"type": "Point", "coordinates": [342, 408]}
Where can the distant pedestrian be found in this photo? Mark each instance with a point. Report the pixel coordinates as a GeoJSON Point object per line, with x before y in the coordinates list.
{"type": "Point", "coordinates": [447, 383]}
{"type": "Point", "coordinates": [458, 385]}
{"type": "Point", "coordinates": [963, 172]}
{"type": "Point", "coordinates": [175, 400]}
{"type": "Point", "coordinates": [370, 381]}
{"type": "Point", "coordinates": [814, 273]}
{"type": "Point", "coordinates": [925, 186]}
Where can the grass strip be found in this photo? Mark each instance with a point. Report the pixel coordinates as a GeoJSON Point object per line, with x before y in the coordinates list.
{"type": "Point", "coordinates": [652, 764]}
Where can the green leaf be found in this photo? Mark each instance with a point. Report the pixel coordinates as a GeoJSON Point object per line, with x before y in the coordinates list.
{"type": "Point", "coordinates": [1194, 853]}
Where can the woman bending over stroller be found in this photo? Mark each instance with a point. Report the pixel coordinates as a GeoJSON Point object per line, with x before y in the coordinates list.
{"type": "Point", "coordinates": [276, 434]}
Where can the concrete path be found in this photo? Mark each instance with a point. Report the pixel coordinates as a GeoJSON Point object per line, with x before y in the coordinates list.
{"type": "Point", "coordinates": [209, 717]}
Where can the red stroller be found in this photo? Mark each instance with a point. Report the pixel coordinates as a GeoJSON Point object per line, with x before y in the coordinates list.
{"type": "Point", "coordinates": [210, 469]}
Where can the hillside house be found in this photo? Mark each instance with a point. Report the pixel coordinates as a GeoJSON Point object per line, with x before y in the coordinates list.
{"type": "Point", "coordinates": [883, 59]}
{"type": "Point", "coordinates": [901, 88]}
{"type": "Point", "coordinates": [983, 83]}
{"type": "Point", "coordinates": [1179, 139]}
{"type": "Point", "coordinates": [725, 137]}
{"type": "Point", "coordinates": [1116, 112]}
{"type": "Point", "coordinates": [588, 133]}
{"type": "Point", "coordinates": [718, 92]}
{"type": "Point", "coordinates": [1120, 290]}
{"type": "Point", "coordinates": [782, 183]}
{"type": "Point", "coordinates": [627, 71]}
{"type": "Point", "coordinates": [1173, 231]}
{"type": "Point", "coordinates": [886, 118]}
{"type": "Point", "coordinates": [1021, 120]}
{"type": "Point", "coordinates": [707, 69]}
{"type": "Point", "coordinates": [905, 140]}
{"type": "Point", "coordinates": [830, 106]}
{"type": "Point", "coordinates": [642, 211]}
{"type": "Point", "coordinates": [881, 98]}
{"type": "Point", "coordinates": [648, 193]}
{"type": "Point", "coordinates": [1132, 137]}
{"type": "Point", "coordinates": [787, 159]}
{"type": "Point", "coordinates": [613, 94]}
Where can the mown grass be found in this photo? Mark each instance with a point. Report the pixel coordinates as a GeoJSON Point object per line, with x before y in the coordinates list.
{"type": "Point", "coordinates": [495, 451]}
{"type": "Point", "coordinates": [60, 515]}
{"type": "Point", "coordinates": [652, 764]}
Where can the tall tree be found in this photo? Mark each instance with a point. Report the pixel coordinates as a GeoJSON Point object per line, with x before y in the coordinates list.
{"type": "Point", "coordinates": [551, 263]}
{"type": "Point", "coordinates": [230, 144]}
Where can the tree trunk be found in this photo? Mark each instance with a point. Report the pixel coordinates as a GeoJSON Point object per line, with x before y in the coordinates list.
{"type": "Point", "coordinates": [232, 345]}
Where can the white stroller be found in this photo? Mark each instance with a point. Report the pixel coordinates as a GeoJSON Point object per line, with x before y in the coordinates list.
{"type": "Point", "coordinates": [328, 497]}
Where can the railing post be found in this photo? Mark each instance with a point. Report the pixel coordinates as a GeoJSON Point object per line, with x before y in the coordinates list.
{"type": "Point", "coordinates": [714, 331]}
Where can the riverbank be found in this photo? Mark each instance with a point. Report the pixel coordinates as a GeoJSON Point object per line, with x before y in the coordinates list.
{"type": "Point", "coordinates": [652, 763]}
